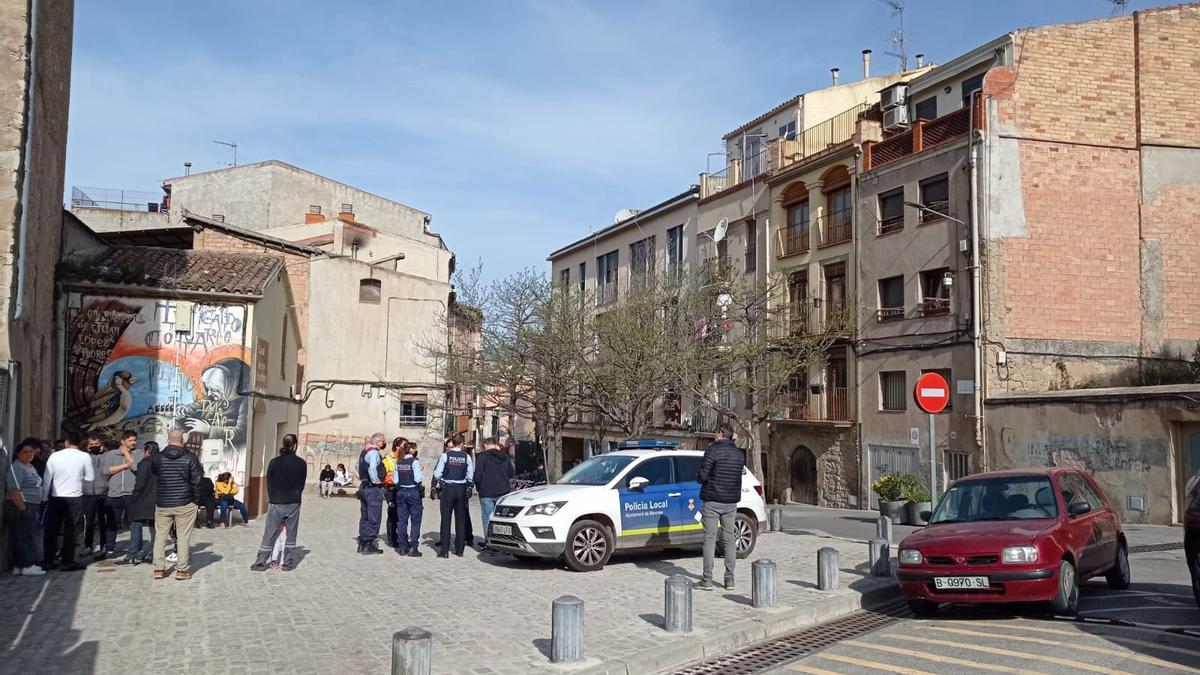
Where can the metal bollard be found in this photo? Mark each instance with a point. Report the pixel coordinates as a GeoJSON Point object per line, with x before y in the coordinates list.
{"type": "Point", "coordinates": [566, 630]}
{"type": "Point", "coordinates": [775, 520]}
{"type": "Point", "coordinates": [411, 651]}
{"type": "Point", "coordinates": [827, 569]}
{"type": "Point", "coordinates": [883, 529]}
{"type": "Point", "coordinates": [881, 564]}
{"type": "Point", "coordinates": [677, 610]}
{"type": "Point", "coordinates": [762, 578]}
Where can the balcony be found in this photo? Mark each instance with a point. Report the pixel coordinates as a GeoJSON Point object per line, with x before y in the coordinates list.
{"type": "Point", "coordinates": [935, 306]}
{"type": "Point", "coordinates": [815, 141]}
{"type": "Point", "coordinates": [702, 421]}
{"type": "Point", "coordinates": [935, 210]}
{"type": "Point", "coordinates": [117, 199]}
{"type": "Point", "coordinates": [836, 227]}
{"type": "Point", "coordinates": [923, 135]}
{"type": "Point", "coordinates": [891, 224]}
{"type": "Point", "coordinates": [886, 314]}
{"type": "Point", "coordinates": [799, 314]}
{"type": "Point", "coordinates": [793, 241]}
{"type": "Point", "coordinates": [831, 406]}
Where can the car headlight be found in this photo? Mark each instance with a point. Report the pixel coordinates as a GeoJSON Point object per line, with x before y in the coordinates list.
{"type": "Point", "coordinates": [1019, 554]}
{"type": "Point", "coordinates": [910, 556]}
{"type": "Point", "coordinates": [547, 509]}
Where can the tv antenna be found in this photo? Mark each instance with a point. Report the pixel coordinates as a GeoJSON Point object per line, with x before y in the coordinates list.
{"type": "Point", "coordinates": [896, 38]}
{"type": "Point", "coordinates": [1119, 7]}
{"type": "Point", "coordinates": [232, 145]}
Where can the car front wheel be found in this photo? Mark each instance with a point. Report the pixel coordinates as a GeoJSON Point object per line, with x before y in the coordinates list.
{"type": "Point", "coordinates": [746, 530]}
{"type": "Point", "coordinates": [589, 546]}
{"type": "Point", "coordinates": [1067, 599]}
{"type": "Point", "coordinates": [1118, 576]}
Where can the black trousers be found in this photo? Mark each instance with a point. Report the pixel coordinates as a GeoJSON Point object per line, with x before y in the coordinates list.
{"type": "Point", "coordinates": [63, 514]}
{"type": "Point", "coordinates": [210, 508]}
{"type": "Point", "coordinates": [454, 504]}
{"type": "Point", "coordinates": [392, 518]}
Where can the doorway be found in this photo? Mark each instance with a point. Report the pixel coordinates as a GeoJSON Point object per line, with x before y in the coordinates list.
{"type": "Point", "coordinates": [1187, 463]}
{"type": "Point", "coordinates": [804, 476]}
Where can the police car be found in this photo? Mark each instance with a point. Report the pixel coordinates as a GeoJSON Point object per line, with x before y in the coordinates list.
{"type": "Point", "coordinates": [643, 495]}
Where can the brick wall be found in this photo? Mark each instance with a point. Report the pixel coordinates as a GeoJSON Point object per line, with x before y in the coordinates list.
{"type": "Point", "coordinates": [1169, 45]}
{"type": "Point", "coordinates": [295, 266]}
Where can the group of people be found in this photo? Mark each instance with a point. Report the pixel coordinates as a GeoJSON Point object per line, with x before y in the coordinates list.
{"type": "Point", "coordinates": [73, 498]}
{"type": "Point", "coordinates": [396, 479]}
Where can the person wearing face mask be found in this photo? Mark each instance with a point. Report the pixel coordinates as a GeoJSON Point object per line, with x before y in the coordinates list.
{"type": "Point", "coordinates": [25, 492]}
{"type": "Point", "coordinates": [372, 473]}
{"type": "Point", "coordinates": [95, 491]}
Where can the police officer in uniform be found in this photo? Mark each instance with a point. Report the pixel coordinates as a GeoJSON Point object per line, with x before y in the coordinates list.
{"type": "Point", "coordinates": [409, 504]}
{"type": "Point", "coordinates": [454, 469]}
{"type": "Point", "coordinates": [371, 494]}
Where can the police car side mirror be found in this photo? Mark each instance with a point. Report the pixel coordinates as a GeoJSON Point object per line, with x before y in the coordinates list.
{"type": "Point", "coordinates": [637, 484]}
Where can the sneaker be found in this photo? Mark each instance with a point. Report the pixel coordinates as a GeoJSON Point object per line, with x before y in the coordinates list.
{"type": "Point", "coordinates": [729, 583]}
{"type": "Point", "coordinates": [172, 557]}
{"type": "Point", "coordinates": [183, 576]}
{"type": "Point", "coordinates": [127, 561]}
{"type": "Point", "coordinates": [32, 571]}
{"type": "Point", "coordinates": [704, 585]}
{"type": "Point", "coordinates": [258, 567]}
{"type": "Point", "coordinates": [160, 574]}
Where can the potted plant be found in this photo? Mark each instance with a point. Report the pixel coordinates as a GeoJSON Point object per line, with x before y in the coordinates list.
{"type": "Point", "coordinates": [918, 503]}
{"type": "Point", "coordinates": [909, 485]}
{"type": "Point", "coordinates": [891, 497]}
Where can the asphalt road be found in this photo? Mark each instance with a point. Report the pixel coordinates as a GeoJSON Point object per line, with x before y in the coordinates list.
{"type": "Point", "coordinates": [1153, 627]}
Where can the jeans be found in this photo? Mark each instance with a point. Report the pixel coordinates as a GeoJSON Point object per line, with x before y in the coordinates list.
{"type": "Point", "coordinates": [727, 515]}
{"type": "Point", "coordinates": [409, 509]}
{"type": "Point", "coordinates": [26, 553]}
{"type": "Point", "coordinates": [326, 488]}
{"type": "Point", "coordinates": [134, 550]}
{"type": "Point", "coordinates": [63, 514]}
{"type": "Point", "coordinates": [92, 507]}
{"type": "Point", "coordinates": [370, 512]}
{"type": "Point", "coordinates": [487, 506]}
{"type": "Point", "coordinates": [119, 506]}
{"type": "Point", "coordinates": [184, 519]}
{"type": "Point", "coordinates": [241, 508]}
{"type": "Point", "coordinates": [277, 514]}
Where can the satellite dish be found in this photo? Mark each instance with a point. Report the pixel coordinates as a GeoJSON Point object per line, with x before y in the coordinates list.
{"type": "Point", "coordinates": [722, 229]}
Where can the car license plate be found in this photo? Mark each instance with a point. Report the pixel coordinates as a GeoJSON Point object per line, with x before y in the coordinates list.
{"type": "Point", "coordinates": [951, 583]}
{"type": "Point", "coordinates": [498, 528]}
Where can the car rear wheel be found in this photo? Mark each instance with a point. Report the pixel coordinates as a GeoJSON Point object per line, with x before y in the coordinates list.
{"type": "Point", "coordinates": [1118, 576]}
{"type": "Point", "coordinates": [1067, 599]}
{"type": "Point", "coordinates": [922, 608]}
{"type": "Point", "coordinates": [589, 546]}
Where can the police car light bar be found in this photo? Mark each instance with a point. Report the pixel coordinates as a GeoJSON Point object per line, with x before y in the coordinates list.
{"type": "Point", "coordinates": [643, 444]}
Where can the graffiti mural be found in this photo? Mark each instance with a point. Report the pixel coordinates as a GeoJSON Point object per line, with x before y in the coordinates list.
{"type": "Point", "coordinates": [321, 449]}
{"type": "Point", "coordinates": [139, 364]}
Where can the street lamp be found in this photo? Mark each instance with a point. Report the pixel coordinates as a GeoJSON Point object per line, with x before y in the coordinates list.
{"type": "Point", "coordinates": [925, 209]}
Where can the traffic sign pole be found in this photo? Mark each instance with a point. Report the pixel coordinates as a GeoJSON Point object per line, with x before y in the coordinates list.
{"type": "Point", "coordinates": [932, 463]}
{"type": "Point", "coordinates": [932, 394]}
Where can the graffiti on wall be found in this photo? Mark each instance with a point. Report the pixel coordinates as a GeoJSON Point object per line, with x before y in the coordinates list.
{"type": "Point", "coordinates": [1092, 453]}
{"type": "Point", "coordinates": [321, 449]}
{"type": "Point", "coordinates": [138, 364]}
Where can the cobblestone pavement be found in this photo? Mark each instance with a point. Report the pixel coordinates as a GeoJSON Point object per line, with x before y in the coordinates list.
{"type": "Point", "coordinates": [488, 613]}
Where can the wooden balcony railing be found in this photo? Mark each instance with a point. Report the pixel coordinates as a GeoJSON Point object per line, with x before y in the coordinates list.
{"type": "Point", "coordinates": [793, 240]}
{"type": "Point", "coordinates": [923, 135]}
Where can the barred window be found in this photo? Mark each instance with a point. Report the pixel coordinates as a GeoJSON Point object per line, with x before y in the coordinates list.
{"type": "Point", "coordinates": [894, 390]}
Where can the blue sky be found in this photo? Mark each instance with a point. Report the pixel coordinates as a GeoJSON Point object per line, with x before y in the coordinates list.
{"type": "Point", "coordinates": [519, 125]}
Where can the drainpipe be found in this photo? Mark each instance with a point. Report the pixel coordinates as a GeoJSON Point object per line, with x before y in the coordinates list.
{"type": "Point", "coordinates": [976, 290]}
{"type": "Point", "coordinates": [26, 159]}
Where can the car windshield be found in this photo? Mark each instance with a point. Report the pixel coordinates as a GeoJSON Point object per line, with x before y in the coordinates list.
{"type": "Point", "coordinates": [1001, 498]}
{"type": "Point", "coordinates": [596, 471]}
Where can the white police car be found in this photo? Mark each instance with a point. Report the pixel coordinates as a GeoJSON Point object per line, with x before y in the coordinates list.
{"type": "Point", "coordinates": [644, 495]}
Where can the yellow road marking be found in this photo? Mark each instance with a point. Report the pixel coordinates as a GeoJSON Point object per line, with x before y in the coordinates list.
{"type": "Point", "coordinates": [1069, 645]}
{"type": "Point", "coordinates": [864, 663]}
{"type": "Point", "coordinates": [1069, 663]}
{"type": "Point", "coordinates": [937, 658]}
{"type": "Point", "coordinates": [801, 668]}
{"type": "Point", "coordinates": [1106, 636]}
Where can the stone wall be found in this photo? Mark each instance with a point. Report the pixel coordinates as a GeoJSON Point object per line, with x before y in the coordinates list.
{"type": "Point", "coordinates": [837, 455]}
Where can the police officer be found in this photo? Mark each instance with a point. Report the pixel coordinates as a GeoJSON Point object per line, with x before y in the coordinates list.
{"type": "Point", "coordinates": [389, 465]}
{"type": "Point", "coordinates": [370, 494]}
{"type": "Point", "coordinates": [409, 504]}
{"type": "Point", "coordinates": [454, 469]}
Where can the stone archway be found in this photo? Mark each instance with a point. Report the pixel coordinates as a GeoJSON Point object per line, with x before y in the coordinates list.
{"type": "Point", "coordinates": [804, 476]}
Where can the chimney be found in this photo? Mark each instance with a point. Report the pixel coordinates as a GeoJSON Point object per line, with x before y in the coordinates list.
{"type": "Point", "coordinates": [834, 72]}
{"type": "Point", "coordinates": [314, 215]}
{"type": "Point", "coordinates": [347, 213]}
{"type": "Point", "coordinates": [866, 64]}
{"type": "Point", "coordinates": [187, 168]}
{"type": "Point", "coordinates": [920, 60]}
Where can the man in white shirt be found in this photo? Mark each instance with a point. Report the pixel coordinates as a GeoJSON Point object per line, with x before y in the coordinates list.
{"type": "Point", "coordinates": [62, 492]}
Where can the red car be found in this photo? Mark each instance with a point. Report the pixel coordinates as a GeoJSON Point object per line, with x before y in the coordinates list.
{"type": "Point", "coordinates": [1015, 536]}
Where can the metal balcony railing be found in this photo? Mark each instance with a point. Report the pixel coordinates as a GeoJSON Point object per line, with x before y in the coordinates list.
{"type": "Point", "coordinates": [891, 224]}
{"type": "Point", "coordinates": [794, 240]}
{"type": "Point", "coordinates": [836, 227]}
{"type": "Point", "coordinates": [891, 314]}
{"type": "Point", "coordinates": [935, 306]}
{"type": "Point", "coordinates": [832, 405]}
{"type": "Point", "coordinates": [816, 140]}
{"type": "Point", "coordinates": [935, 210]}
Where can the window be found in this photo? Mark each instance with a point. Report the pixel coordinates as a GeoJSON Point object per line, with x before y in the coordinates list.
{"type": "Point", "coordinates": [891, 298]}
{"type": "Point", "coordinates": [606, 277]}
{"type": "Point", "coordinates": [675, 249]}
{"type": "Point", "coordinates": [641, 261]}
{"type": "Point", "coordinates": [970, 86]}
{"type": "Point", "coordinates": [1002, 498]}
{"type": "Point", "coordinates": [935, 293]}
{"type": "Point", "coordinates": [582, 277]}
{"type": "Point", "coordinates": [798, 305]}
{"type": "Point", "coordinates": [926, 110]}
{"type": "Point", "coordinates": [751, 246]}
{"type": "Point", "coordinates": [414, 410]}
{"type": "Point", "coordinates": [219, 217]}
{"type": "Point", "coordinates": [945, 373]}
{"type": "Point", "coordinates": [752, 154]}
{"type": "Point", "coordinates": [564, 278]}
{"type": "Point", "coordinates": [657, 470]}
{"type": "Point", "coordinates": [893, 390]}
{"type": "Point", "coordinates": [797, 239]}
{"type": "Point", "coordinates": [891, 211]}
{"type": "Point", "coordinates": [841, 215]}
{"type": "Point", "coordinates": [959, 464]}
{"type": "Point", "coordinates": [687, 468]}
{"type": "Point", "coordinates": [283, 350]}
{"type": "Point", "coordinates": [370, 291]}
{"type": "Point", "coordinates": [788, 131]}
{"type": "Point", "coordinates": [835, 291]}
{"type": "Point", "coordinates": [935, 197]}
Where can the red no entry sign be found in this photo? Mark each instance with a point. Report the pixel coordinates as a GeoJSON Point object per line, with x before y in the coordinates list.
{"type": "Point", "coordinates": [932, 393]}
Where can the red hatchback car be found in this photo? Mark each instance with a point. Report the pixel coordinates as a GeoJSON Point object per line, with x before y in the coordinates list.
{"type": "Point", "coordinates": [1015, 536]}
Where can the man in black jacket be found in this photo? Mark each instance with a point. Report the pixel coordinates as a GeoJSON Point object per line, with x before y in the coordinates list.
{"type": "Point", "coordinates": [285, 486]}
{"type": "Point", "coordinates": [721, 490]}
{"type": "Point", "coordinates": [493, 471]}
{"type": "Point", "coordinates": [178, 472]}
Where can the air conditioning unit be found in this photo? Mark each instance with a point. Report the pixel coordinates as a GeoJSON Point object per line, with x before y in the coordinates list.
{"type": "Point", "coordinates": [893, 97]}
{"type": "Point", "coordinates": [895, 119]}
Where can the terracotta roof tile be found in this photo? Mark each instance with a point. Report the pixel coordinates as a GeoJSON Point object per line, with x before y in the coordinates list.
{"type": "Point", "coordinates": [174, 269]}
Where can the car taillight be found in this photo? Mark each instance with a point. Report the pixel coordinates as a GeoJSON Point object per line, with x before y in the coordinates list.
{"type": "Point", "coordinates": [758, 489]}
